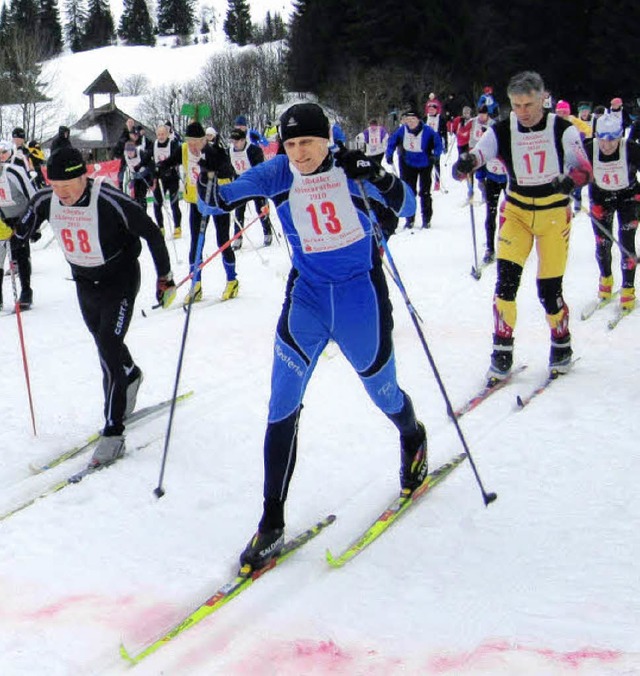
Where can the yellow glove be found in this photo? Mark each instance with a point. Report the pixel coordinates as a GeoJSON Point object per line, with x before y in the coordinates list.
{"type": "Point", "coordinates": [5, 231]}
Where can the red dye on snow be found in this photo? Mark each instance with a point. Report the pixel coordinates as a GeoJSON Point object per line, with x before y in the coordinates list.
{"type": "Point", "coordinates": [54, 609]}
{"type": "Point", "coordinates": [573, 659]}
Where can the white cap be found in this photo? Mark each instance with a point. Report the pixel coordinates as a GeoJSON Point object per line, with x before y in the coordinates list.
{"type": "Point", "coordinates": [608, 127]}
{"type": "Point", "coordinates": [210, 131]}
{"type": "Point", "coordinates": [6, 146]}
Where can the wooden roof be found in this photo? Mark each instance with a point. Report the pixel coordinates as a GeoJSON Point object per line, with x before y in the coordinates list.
{"type": "Point", "coordinates": [103, 84]}
{"type": "Point", "coordinates": [109, 119]}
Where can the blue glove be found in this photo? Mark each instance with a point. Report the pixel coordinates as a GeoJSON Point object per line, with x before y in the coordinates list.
{"type": "Point", "coordinates": [209, 209]}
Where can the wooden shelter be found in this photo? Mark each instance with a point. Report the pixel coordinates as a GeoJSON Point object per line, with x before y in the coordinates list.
{"type": "Point", "coordinates": [97, 132]}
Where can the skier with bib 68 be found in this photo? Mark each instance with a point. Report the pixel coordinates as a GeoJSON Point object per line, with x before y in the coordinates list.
{"type": "Point", "coordinates": [98, 229]}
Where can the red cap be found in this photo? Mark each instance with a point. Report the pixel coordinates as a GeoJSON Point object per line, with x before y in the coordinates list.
{"type": "Point", "coordinates": [488, 90]}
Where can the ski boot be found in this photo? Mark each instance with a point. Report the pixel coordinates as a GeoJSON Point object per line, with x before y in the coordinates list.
{"type": "Point", "coordinates": [262, 547]}
{"type": "Point", "coordinates": [109, 449]}
{"type": "Point", "coordinates": [197, 294]}
{"type": "Point", "coordinates": [231, 290]}
{"type": "Point", "coordinates": [413, 464]}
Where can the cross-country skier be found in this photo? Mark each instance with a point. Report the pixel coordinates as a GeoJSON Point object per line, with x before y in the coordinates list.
{"type": "Point", "coordinates": [336, 291]}
{"type": "Point", "coordinates": [615, 188]}
{"type": "Point", "coordinates": [545, 160]}
{"type": "Point", "coordinates": [99, 229]}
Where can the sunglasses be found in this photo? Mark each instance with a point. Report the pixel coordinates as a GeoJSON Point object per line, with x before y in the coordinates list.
{"type": "Point", "coordinates": [609, 135]}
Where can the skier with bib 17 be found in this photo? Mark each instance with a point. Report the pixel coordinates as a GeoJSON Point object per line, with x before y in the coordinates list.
{"type": "Point", "coordinates": [545, 160]}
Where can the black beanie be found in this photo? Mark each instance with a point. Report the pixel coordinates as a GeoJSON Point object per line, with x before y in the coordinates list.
{"type": "Point", "coordinates": [194, 130]}
{"type": "Point", "coordinates": [304, 119]}
{"type": "Point", "coordinates": [65, 164]}
{"type": "Point", "coordinates": [238, 134]}
{"type": "Point", "coordinates": [18, 132]}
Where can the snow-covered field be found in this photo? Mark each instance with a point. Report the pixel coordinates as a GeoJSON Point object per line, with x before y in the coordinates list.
{"type": "Point", "coordinates": [544, 581]}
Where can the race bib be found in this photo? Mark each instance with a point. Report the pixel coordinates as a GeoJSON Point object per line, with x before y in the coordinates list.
{"type": "Point", "coordinates": [323, 213]}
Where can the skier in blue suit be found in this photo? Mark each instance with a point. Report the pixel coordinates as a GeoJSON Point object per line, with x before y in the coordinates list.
{"type": "Point", "coordinates": [336, 291]}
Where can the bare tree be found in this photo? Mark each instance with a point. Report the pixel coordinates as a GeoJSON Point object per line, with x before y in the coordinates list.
{"type": "Point", "coordinates": [165, 102]}
{"type": "Point", "coordinates": [251, 82]}
{"type": "Point", "coordinates": [135, 85]}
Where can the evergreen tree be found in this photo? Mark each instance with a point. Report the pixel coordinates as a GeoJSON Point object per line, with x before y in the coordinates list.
{"type": "Point", "coordinates": [76, 19]}
{"type": "Point", "coordinates": [24, 15]}
{"type": "Point", "coordinates": [176, 17]}
{"type": "Point", "coordinates": [136, 27]}
{"type": "Point", "coordinates": [99, 30]}
{"type": "Point", "coordinates": [5, 24]}
{"type": "Point", "coordinates": [50, 28]}
{"type": "Point", "coordinates": [237, 24]}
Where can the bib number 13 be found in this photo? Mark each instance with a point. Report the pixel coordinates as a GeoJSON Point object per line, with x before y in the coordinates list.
{"type": "Point", "coordinates": [80, 241]}
{"type": "Point", "coordinates": [330, 222]}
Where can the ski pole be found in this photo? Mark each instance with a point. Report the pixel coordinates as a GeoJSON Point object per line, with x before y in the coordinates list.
{"type": "Point", "coordinates": [611, 237]}
{"type": "Point", "coordinates": [206, 261]}
{"type": "Point", "coordinates": [166, 207]}
{"type": "Point", "coordinates": [25, 363]}
{"type": "Point", "coordinates": [439, 179]}
{"type": "Point", "coordinates": [159, 490]}
{"type": "Point", "coordinates": [254, 248]}
{"type": "Point", "coordinates": [475, 270]}
{"type": "Point", "coordinates": [487, 497]}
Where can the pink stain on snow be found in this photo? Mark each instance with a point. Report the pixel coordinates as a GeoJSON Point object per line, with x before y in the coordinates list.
{"type": "Point", "coordinates": [571, 659]}
{"type": "Point", "coordinates": [307, 656]}
{"type": "Point", "coordinates": [53, 610]}
{"type": "Point", "coordinates": [328, 657]}
{"type": "Point", "coordinates": [125, 614]}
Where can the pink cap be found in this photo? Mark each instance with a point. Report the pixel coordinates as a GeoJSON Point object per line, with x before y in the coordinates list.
{"type": "Point", "coordinates": [616, 102]}
{"type": "Point", "coordinates": [563, 107]}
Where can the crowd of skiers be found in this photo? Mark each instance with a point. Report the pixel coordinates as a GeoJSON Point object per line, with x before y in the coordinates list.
{"type": "Point", "coordinates": [338, 204]}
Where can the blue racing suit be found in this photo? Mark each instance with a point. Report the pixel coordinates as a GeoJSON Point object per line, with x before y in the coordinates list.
{"type": "Point", "coordinates": [336, 291]}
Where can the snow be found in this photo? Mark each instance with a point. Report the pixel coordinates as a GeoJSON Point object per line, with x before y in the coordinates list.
{"type": "Point", "coordinates": [544, 581]}
{"type": "Point", "coordinates": [93, 133]}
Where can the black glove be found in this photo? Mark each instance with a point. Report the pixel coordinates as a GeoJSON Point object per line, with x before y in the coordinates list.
{"type": "Point", "coordinates": [357, 165]}
{"type": "Point", "coordinates": [563, 183]}
{"type": "Point", "coordinates": [165, 290]}
{"type": "Point", "coordinates": [464, 166]}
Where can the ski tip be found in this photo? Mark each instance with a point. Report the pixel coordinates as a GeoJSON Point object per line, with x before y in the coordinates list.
{"type": "Point", "coordinates": [332, 560]}
{"type": "Point", "coordinates": [331, 518]}
{"type": "Point", "coordinates": [124, 653]}
{"type": "Point", "coordinates": [519, 401]}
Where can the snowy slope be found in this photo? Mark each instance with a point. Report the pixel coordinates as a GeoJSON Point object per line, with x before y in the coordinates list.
{"type": "Point", "coordinates": [544, 581]}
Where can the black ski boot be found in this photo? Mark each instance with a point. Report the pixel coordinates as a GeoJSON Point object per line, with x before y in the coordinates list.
{"type": "Point", "coordinates": [413, 466]}
{"type": "Point", "coordinates": [262, 547]}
